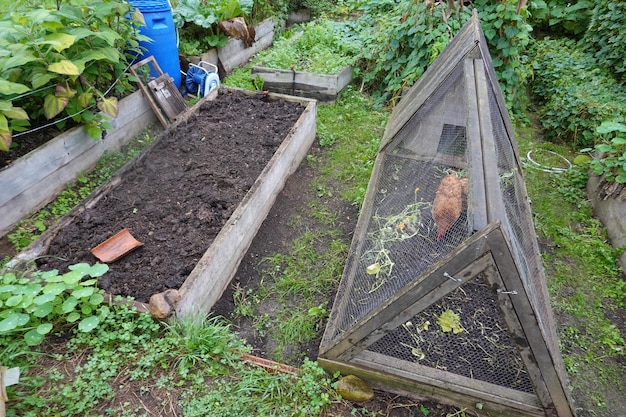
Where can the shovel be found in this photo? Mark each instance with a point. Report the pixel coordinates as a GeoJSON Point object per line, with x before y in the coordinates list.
{"type": "Point", "coordinates": [116, 246]}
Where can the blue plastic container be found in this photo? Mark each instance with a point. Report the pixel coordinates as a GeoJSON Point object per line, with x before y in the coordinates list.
{"type": "Point", "coordinates": [160, 28]}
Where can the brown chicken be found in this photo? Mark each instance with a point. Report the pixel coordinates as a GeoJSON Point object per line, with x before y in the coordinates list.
{"type": "Point", "coordinates": [450, 201]}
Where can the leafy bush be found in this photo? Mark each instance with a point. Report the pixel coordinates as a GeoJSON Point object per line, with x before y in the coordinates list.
{"type": "Point", "coordinates": [318, 48]}
{"type": "Point", "coordinates": [575, 92]}
{"type": "Point", "coordinates": [610, 155]}
{"type": "Point", "coordinates": [606, 37]}
{"type": "Point", "coordinates": [561, 16]}
{"type": "Point", "coordinates": [64, 61]}
{"type": "Point", "coordinates": [33, 303]}
{"type": "Point", "coordinates": [402, 40]}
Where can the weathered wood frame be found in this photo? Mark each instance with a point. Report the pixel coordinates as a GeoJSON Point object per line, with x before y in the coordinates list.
{"type": "Point", "coordinates": [323, 87]}
{"type": "Point", "coordinates": [212, 274]}
{"type": "Point", "coordinates": [488, 252]}
{"type": "Point", "coordinates": [32, 181]}
{"type": "Point", "coordinates": [214, 271]}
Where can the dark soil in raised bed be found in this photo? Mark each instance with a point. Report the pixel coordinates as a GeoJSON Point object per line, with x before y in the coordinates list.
{"type": "Point", "coordinates": [179, 194]}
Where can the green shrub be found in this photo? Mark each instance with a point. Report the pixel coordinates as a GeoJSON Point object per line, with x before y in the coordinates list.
{"type": "Point", "coordinates": [402, 40]}
{"type": "Point", "coordinates": [576, 94]}
{"type": "Point", "coordinates": [606, 38]}
{"type": "Point", "coordinates": [561, 16]}
{"type": "Point", "coordinates": [609, 158]}
{"type": "Point", "coordinates": [64, 62]}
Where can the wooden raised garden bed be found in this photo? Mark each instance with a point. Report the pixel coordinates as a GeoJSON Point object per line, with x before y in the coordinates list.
{"type": "Point", "coordinates": [323, 87]}
{"type": "Point", "coordinates": [35, 179]}
{"type": "Point", "coordinates": [195, 198]}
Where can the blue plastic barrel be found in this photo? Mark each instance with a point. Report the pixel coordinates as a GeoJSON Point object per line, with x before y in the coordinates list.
{"type": "Point", "coordinates": [160, 28]}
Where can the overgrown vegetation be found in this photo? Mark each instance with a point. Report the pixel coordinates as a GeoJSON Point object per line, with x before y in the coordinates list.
{"type": "Point", "coordinates": [71, 62]}
{"type": "Point", "coordinates": [576, 93]}
{"type": "Point", "coordinates": [317, 47]}
{"type": "Point", "coordinates": [605, 37]}
{"type": "Point", "coordinates": [400, 40]}
{"type": "Point", "coordinates": [134, 350]}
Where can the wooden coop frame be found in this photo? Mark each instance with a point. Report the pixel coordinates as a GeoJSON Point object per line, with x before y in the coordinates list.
{"type": "Point", "coordinates": [490, 254]}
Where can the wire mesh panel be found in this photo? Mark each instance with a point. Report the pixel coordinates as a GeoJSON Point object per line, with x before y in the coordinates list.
{"type": "Point", "coordinates": [419, 207]}
{"type": "Point", "coordinates": [444, 274]}
{"type": "Point", "coordinates": [463, 333]}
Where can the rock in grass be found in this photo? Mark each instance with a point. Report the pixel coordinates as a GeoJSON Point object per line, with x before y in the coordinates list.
{"type": "Point", "coordinates": [353, 388]}
{"type": "Point", "coordinates": [162, 304]}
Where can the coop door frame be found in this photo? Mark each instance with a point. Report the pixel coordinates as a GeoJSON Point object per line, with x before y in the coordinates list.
{"type": "Point", "coordinates": [486, 252]}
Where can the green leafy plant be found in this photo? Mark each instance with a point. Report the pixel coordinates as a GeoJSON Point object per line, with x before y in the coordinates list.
{"type": "Point", "coordinates": [34, 302]}
{"type": "Point", "coordinates": [318, 47]}
{"type": "Point", "coordinates": [198, 21]}
{"type": "Point", "coordinates": [575, 92]}
{"type": "Point", "coordinates": [401, 40]}
{"type": "Point", "coordinates": [610, 156]}
{"type": "Point", "coordinates": [605, 36]}
{"type": "Point", "coordinates": [560, 16]}
{"type": "Point", "coordinates": [64, 61]}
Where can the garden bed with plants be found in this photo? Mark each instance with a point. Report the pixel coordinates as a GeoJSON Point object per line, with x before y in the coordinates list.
{"type": "Point", "coordinates": [311, 61]}
{"type": "Point", "coordinates": [194, 198]}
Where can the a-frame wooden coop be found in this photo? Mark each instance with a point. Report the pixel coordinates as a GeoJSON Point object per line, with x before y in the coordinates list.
{"type": "Point", "coordinates": [443, 295]}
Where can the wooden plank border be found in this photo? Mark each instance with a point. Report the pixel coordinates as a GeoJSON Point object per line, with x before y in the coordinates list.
{"type": "Point", "coordinates": [35, 179]}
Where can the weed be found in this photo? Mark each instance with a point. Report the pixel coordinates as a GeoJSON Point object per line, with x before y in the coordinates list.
{"type": "Point", "coordinates": [259, 393]}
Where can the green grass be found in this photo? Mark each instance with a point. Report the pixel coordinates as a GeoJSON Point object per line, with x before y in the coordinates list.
{"type": "Point", "coordinates": [584, 279]}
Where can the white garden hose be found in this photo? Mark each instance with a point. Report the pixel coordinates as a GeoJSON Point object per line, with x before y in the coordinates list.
{"type": "Point", "coordinates": [546, 168]}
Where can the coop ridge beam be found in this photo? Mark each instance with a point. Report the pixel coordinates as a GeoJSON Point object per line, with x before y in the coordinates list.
{"type": "Point", "coordinates": [478, 208]}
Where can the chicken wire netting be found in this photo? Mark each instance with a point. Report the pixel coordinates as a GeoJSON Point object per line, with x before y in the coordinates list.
{"type": "Point", "coordinates": [408, 230]}
{"type": "Point", "coordinates": [517, 219]}
{"type": "Point", "coordinates": [477, 343]}
{"type": "Point", "coordinates": [419, 207]}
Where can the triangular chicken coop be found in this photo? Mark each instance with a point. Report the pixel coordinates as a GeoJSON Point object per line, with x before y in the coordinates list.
{"type": "Point", "coordinates": [443, 295]}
